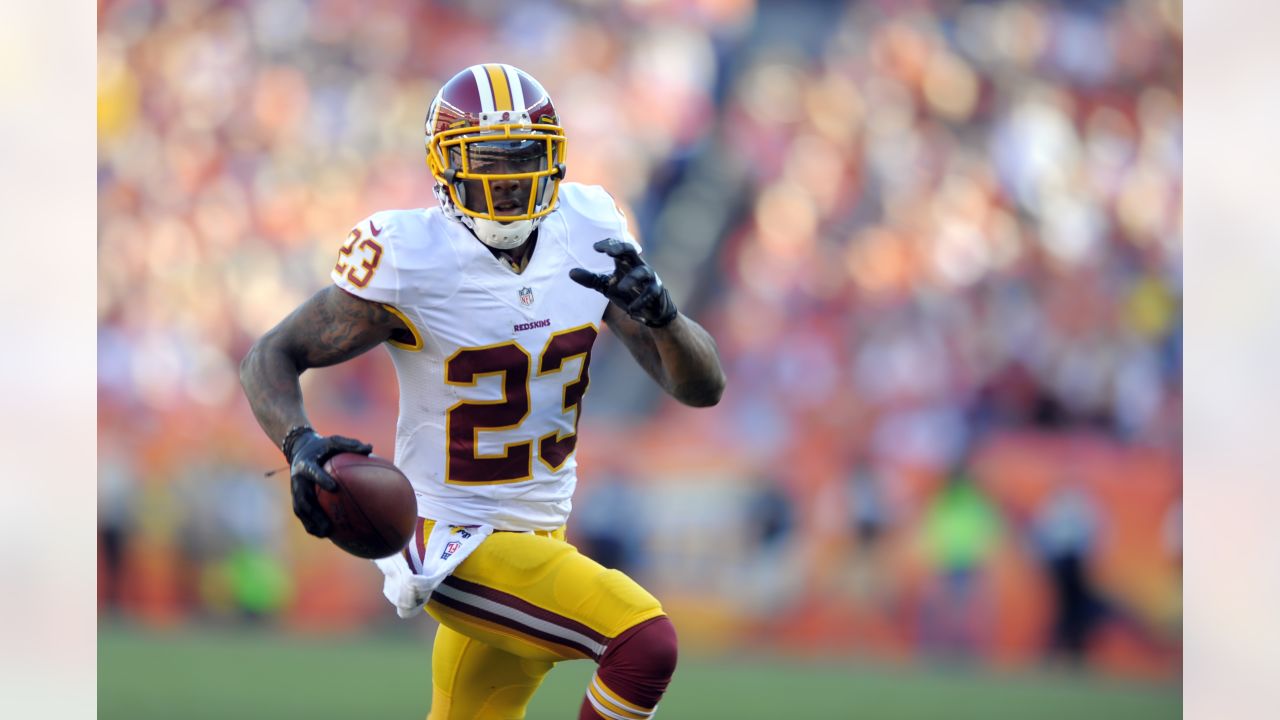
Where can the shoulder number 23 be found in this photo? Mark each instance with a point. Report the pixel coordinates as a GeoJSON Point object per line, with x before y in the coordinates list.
{"type": "Point", "coordinates": [367, 251]}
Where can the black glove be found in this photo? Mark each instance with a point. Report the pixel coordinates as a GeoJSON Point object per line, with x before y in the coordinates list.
{"type": "Point", "coordinates": [633, 286]}
{"type": "Point", "coordinates": [307, 451]}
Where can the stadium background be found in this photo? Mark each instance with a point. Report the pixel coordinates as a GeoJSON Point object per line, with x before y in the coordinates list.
{"type": "Point", "coordinates": [939, 244]}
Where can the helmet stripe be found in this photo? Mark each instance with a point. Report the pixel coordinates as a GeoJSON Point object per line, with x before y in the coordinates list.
{"type": "Point", "coordinates": [501, 88]}
{"type": "Point", "coordinates": [517, 91]}
{"type": "Point", "coordinates": [483, 87]}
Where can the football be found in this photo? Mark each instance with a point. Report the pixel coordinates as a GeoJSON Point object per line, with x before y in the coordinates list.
{"type": "Point", "coordinates": [374, 509]}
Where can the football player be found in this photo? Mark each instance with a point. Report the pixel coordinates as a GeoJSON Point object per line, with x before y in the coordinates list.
{"type": "Point", "coordinates": [490, 305]}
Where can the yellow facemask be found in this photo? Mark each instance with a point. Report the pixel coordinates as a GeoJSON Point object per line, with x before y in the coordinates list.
{"type": "Point", "coordinates": [466, 153]}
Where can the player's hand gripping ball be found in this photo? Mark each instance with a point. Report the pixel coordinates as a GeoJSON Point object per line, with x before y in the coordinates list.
{"type": "Point", "coordinates": [362, 502]}
{"type": "Point", "coordinates": [373, 510]}
{"type": "Point", "coordinates": [633, 285]}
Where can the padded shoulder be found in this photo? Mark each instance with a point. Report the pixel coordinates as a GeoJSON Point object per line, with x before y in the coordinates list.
{"type": "Point", "coordinates": [398, 257]}
{"type": "Point", "coordinates": [591, 214]}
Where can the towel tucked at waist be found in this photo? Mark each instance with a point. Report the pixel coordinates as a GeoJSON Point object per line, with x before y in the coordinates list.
{"type": "Point", "coordinates": [446, 547]}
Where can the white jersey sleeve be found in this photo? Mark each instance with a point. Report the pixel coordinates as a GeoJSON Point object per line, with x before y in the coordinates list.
{"type": "Point", "coordinates": [391, 257]}
{"type": "Point", "coordinates": [595, 216]}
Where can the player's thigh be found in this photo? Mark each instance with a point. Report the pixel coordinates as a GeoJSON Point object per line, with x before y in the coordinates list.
{"type": "Point", "coordinates": [472, 680]}
{"type": "Point", "coordinates": [539, 598]}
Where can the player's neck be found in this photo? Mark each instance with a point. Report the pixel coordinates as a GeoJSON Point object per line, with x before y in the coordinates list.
{"type": "Point", "coordinates": [517, 258]}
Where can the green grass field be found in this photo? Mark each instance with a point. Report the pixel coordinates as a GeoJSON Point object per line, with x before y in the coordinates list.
{"type": "Point", "coordinates": [244, 673]}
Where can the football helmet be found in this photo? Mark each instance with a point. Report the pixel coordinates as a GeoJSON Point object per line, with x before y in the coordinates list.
{"type": "Point", "coordinates": [496, 150]}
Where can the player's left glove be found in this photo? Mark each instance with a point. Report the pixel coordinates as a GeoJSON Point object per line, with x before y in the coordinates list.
{"type": "Point", "coordinates": [633, 286]}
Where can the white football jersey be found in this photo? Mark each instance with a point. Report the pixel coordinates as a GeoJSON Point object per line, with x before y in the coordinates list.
{"type": "Point", "coordinates": [491, 386]}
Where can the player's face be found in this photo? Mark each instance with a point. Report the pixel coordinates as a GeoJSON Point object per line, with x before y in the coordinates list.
{"type": "Point", "coordinates": [510, 195]}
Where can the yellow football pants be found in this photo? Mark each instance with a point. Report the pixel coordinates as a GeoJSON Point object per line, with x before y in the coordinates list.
{"type": "Point", "coordinates": [518, 604]}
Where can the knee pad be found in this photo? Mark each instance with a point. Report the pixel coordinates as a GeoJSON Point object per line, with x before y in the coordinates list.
{"type": "Point", "coordinates": [646, 650]}
{"type": "Point", "coordinates": [634, 671]}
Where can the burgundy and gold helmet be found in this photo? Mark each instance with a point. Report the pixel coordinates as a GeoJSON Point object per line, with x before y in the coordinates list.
{"type": "Point", "coordinates": [492, 123]}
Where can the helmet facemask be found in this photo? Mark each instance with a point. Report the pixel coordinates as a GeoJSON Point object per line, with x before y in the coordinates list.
{"type": "Point", "coordinates": [499, 179]}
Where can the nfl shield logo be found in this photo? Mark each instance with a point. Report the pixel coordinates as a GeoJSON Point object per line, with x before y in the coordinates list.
{"type": "Point", "coordinates": [526, 296]}
{"type": "Point", "coordinates": [449, 549]}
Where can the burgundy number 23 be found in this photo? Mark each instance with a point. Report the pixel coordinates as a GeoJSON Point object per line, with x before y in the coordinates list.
{"type": "Point", "coordinates": [466, 418]}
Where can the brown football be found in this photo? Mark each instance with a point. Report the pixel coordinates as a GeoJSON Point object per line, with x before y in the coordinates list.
{"type": "Point", "coordinates": [374, 509]}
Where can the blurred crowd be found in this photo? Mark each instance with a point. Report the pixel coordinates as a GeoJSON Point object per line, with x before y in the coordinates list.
{"type": "Point", "coordinates": [938, 242]}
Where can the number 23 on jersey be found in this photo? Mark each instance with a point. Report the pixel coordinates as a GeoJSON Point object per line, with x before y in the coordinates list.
{"type": "Point", "coordinates": [359, 256]}
{"type": "Point", "coordinates": [513, 364]}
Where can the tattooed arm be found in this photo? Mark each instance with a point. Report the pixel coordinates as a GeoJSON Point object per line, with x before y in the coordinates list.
{"type": "Point", "coordinates": [331, 327]}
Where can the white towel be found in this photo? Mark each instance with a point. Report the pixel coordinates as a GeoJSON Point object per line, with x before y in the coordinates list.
{"type": "Point", "coordinates": [447, 546]}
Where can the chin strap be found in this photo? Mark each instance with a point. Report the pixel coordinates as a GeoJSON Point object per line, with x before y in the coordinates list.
{"type": "Point", "coordinates": [503, 236]}
{"type": "Point", "coordinates": [497, 235]}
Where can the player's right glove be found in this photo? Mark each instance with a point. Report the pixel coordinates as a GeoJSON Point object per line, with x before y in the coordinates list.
{"type": "Point", "coordinates": [307, 451]}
